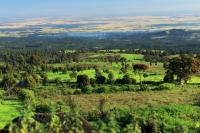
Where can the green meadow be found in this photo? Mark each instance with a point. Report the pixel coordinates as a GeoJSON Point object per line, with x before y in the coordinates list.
{"type": "Point", "coordinates": [9, 109]}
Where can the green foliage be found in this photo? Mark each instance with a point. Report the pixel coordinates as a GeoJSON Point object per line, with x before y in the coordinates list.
{"type": "Point", "coordinates": [126, 79]}
{"type": "Point", "coordinates": [52, 111]}
{"type": "Point", "coordinates": [171, 118]}
{"type": "Point", "coordinates": [29, 82]}
{"type": "Point", "coordinates": [166, 86]}
{"type": "Point", "coordinates": [8, 111]}
{"type": "Point", "coordinates": [43, 108]}
{"type": "Point", "coordinates": [144, 88]}
{"type": "Point", "coordinates": [83, 80]}
{"type": "Point", "coordinates": [110, 78]}
{"type": "Point", "coordinates": [27, 96]}
{"type": "Point", "coordinates": [102, 89]}
{"type": "Point", "coordinates": [100, 79]}
{"type": "Point", "coordinates": [2, 93]}
{"type": "Point", "coordinates": [182, 67]}
{"type": "Point", "coordinates": [87, 89]}
{"type": "Point", "coordinates": [9, 84]}
{"type": "Point", "coordinates": [58, 81]}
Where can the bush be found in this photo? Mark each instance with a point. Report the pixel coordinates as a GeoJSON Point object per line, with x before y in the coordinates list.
{"type": "Point", "coordinates": [92, 82]}
{"type": "Point", "coordinates": [101, 79]}
{"type": "Point", "coordinates": [68, 91]}
{"type": "Point", "coordinates": [145, 75]}
{"type": "Point", "coordinates": [43, 113]}
{"type": "Point", "coordinates": [58, 81]}
{"type": "Point", "coordinates": [29, 82]}
{"type": "Point", "coordinates": [118, 81]}
{"type": "Point", "coordinates": [27, 96]}
{"type": "Point", "coordinates": [145, 88]}
{"type": "Point", "coordinates": [165, 86]}
{"type": "Point", "coordinates": [115, 88]}
{"type": "Point", "coordinates": [2, 92]}
{"type": "Point", "coordinates": [168, 78]}
{"type": "Point", "coordinates": [87, 89]}
{"type": "Point", "coordinates": [43, 108]}
{"type": "Point", "coordinates": [83, 80]}
{"type": "Point", "coordinates": [77, 92]}
{"type": "Point", "coordinates": [102, 90]}
{"type": "Point", "coordinates": [124, 88]}
{"type": "Point", "coordinates": [134, 81]}
{"type": "Point", "coordinates": [126, 79]}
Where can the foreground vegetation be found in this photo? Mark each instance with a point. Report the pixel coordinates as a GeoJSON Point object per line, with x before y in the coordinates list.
{"type": "Point", "coordinates": [99, 91]}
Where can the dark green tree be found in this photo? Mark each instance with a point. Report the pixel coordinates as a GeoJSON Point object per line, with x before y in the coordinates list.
{"type": "Point", "coordinates": [9, 84]}
{"type": "Point", "coordinates": [100, 79]}
{"type": "Point", "coordinates": [83, 80]}
{"type": "Point", "coordinates": [182, 67]}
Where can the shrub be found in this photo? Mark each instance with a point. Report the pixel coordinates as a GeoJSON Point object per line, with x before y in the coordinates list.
{"type": "Point", "coordinates": [87, 89]}
{"type": "Point", "coordinates": [68, 91]}
{"type": "Point", "coordinates": [110, 78]}
{"type": "Point", "coordinates": [27, 96]}
{"type": "Point", "coordinates": [77, 92]}
{"type": "Point", "coordinates": [166, 86]}
{"type": "Point", "coordinates": [83, 80]}
{"type": "Point", "coordinates": [101, 79]}
{"type": "Point", "coordinates": [9, 84]}
{"type": "Point", "coordinates": [43, 113]}
{"type": "Point", "coordinates": [2, 92]}
{"type": "Point", "coordinates": [145, 75]}
{"type": "Point", "coordinates": [134, 81]}
{"type": "Point", "coordinates": [102, 89]}
{"type": "Point", "coordinates": [168, 78]}
{"type": "Point", "coordinates": [43, 108]}
{"type": "Point", "coordinates": [118, 81]}
{"type": "Point", "coordinates": [115, 88]}
{"type": "Point", "coordinates": [58, 81]}
{"type": "Point", "coordinates": [126, 79]}
{"type": "Point", "coordinates": [29, 82]}
{"type": "Point", "coordinates": [124, 88]}
{"type": "Point", "coordinates": [145, 88]}
{"type": "Point", "coordinates": [92, 82]}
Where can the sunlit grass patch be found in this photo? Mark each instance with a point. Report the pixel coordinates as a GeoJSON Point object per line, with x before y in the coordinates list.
{"type": "Point", "coordinates": [8, 111]}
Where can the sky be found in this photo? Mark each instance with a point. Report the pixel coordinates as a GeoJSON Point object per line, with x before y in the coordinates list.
{"type": "Point", "coordinates": [81, 8]}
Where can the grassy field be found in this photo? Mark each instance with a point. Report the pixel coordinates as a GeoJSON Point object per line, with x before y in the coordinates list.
{"type": "Point", "coordinates": [8, 111]}
{"type": "Point", "coordinates": [138, 99]}
{"type": "Point", "coordinates": [88, 102]}
{"type": "Point", "coordinates": [155, 72]}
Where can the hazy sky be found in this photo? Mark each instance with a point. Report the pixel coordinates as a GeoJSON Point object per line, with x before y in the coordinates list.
{"type": "Point", "coordinates": [52, 8]}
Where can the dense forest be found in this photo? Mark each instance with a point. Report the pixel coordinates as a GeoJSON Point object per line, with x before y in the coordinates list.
{"type": "Point", "coordinates": [179, 40]}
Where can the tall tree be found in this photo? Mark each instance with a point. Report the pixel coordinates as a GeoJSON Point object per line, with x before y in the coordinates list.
{"type": "Point", "coordinates": [139, 69]}
{"type": "Point", "coordinates": [182, 67]}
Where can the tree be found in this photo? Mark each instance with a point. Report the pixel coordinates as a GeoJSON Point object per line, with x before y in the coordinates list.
{"type": "Point", "coordinates": [35, 60]}
{"type": "Point", "coordinates": [100, 79]}
{"type": "Point", "coordinates": [83, 80]}
{"type": "Point", "coordinates": [126, 79]}
{"type": "Point", "coordinates": [182, 67]}
{"type": "Point", "coordinates": [139, 69]}
{"type": "Point", "coordinates": [29, 82]}
{"type": "Point", "coordinates": [9, 84]}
